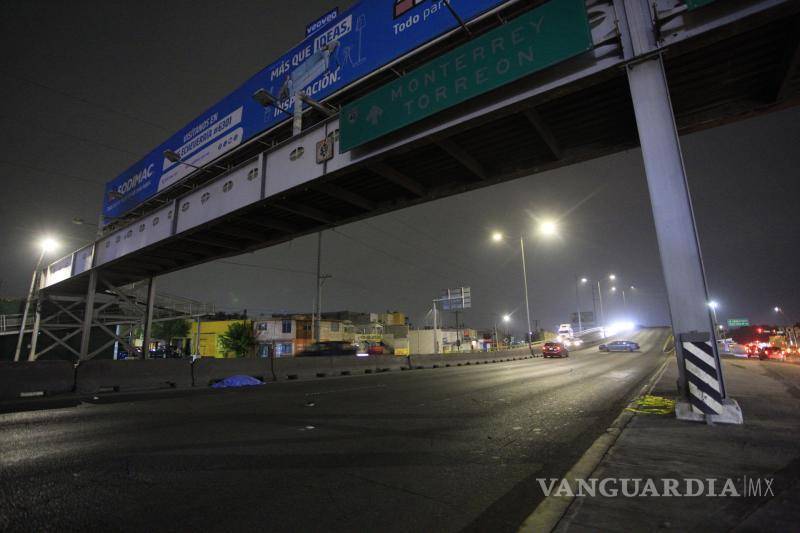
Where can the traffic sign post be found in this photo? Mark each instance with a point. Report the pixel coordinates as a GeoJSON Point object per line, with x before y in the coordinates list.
{"type": "Point", "coordinates": [738, 323]}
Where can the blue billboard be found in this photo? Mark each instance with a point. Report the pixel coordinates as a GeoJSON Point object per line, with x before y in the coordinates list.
{"type": "Point", "coordinates": [358, 41]}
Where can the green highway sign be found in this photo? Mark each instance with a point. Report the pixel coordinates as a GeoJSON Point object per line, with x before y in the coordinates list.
{"type": "Point", "coordinates": [694, 4]}
{"type": "Point", "coordinates": [738, 322]}
{"type": "Point", "coordinates": [538, 39]}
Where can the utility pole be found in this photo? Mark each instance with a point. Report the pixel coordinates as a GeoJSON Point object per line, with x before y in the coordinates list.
{"type": "Point", "coordinates": [197, 337]}
{"type": "Point", "coordinates": [435, 328]}
{"type": "Point", "coordinates": [318, 296]}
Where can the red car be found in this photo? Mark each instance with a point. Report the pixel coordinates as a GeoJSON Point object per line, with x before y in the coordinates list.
{"type": "Point", "coordinates": [376, 349]}
{"type": "Point", "coordinates": [554, 349]}
{"type": "Point", "coordinates": [752, 350]}
{"type": "Point", "coordinates": [772, 352]}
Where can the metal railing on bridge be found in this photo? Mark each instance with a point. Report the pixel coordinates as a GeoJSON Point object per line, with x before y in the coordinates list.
{"type": "Point", "coordinates": [9, 324]}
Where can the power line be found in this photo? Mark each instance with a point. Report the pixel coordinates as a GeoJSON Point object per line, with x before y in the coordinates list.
{"type": "Point", "coordinates": [442, 258]}
{"type": "Point", "coordinates": [46, 129]}
{"type": "Point", "coordinates": [51, 172]}
{"type": "Point", "coordinates": [265, 267]}
{"type": "Point", "coordinates": [85, 101]}
{"type": "Point", "coordinates": [387, 254]}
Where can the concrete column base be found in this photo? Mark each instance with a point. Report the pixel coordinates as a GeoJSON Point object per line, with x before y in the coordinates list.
{"type": "Point", "coordinates": [731, 413]}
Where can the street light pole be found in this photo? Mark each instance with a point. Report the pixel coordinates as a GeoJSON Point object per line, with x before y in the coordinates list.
{"type": "Point", "coordinates": [788, 324]}
{"type": "Point", "coordinates": [600, 299]}
{"type": "Point", "coordinates": [527, 302]}
{"type": "Point", "coordinates": [578, 303]}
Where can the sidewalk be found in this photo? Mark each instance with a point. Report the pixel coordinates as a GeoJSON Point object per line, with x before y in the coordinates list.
{"type": "Point", "coordinates": [660, 446]}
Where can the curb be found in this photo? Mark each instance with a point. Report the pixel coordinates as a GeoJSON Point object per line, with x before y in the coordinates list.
{"type": "Point", "coordinates": [552, 510]}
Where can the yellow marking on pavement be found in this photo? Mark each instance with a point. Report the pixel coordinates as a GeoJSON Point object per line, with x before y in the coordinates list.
{"type": "Point", "coordinates": [653, 405]}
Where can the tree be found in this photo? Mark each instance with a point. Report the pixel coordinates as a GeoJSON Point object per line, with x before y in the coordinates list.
{"type": "Point", "coordinates": [170, 329]}
{"type": "Point", "coordinates": [238, 339]}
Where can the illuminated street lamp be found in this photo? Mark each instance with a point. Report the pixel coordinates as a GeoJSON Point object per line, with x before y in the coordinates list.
{"type": "Point", "coordinates": [713, 305]}
{"type": "Point", "coordinates": [584, 281]}
{"type": "Point", "coordinates": [46, 245]}
{"type": "Point", "coordinates": [788, 322]}
{"type": "Point", "coordinates": [548, 229]}
{"type": "Point", "coordinates": [506, 319]}
{"type": "Point", "coordinates": [614, 289]}
{"type": "Point", "coordinates": [612, 277]}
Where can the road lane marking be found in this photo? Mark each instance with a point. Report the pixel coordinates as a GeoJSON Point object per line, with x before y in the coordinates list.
{"type": "Point", "coordinates": [344, 390]}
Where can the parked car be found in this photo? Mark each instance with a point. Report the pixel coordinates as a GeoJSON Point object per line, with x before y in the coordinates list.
{"type": "Point", "coordinates": [619, 346]}
{"type": "Point", "coordinates": [320, 349]}
{"type": "Point", "coordinates": [123, 353]}
{"type": "Point", "coordinates": [772, 352]}
{"type": "Point", "coordinates": [377, 348]}
{"type": "Point", "coordinates": [554, 349]}
{"type": "Point", "coordinates": [165, 352]}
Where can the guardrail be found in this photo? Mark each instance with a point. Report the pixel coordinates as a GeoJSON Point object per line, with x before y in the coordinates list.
{"type": "Point", "coordinates": [10, 323]}
{"type": "Point", "coordinates": [47, 378]}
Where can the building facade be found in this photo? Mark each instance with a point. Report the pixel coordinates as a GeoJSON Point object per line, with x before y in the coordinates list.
{"type": "Point", "coordinates": [288, 335]}
{"type": "Point", "coordinates": [209, 341]}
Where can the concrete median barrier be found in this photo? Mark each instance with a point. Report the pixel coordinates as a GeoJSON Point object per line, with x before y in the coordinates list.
{"type": "Point", "coordinates": [316, 367]}
{"type": "Point", "coordinates": [467, 358]}
{"type": "Point", "coordinates": [35, 378]}
{"type": "Point", "coordinates": [208, 370]}
{"type": "Point", "coordinates": [103, 375]}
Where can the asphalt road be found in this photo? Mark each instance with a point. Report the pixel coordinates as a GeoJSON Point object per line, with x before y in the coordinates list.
{"type": "Point", "coordinates": [446, 449]}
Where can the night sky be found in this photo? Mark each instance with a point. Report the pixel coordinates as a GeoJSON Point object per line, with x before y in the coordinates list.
{"type": "Point", "coordinates": [87, 88]}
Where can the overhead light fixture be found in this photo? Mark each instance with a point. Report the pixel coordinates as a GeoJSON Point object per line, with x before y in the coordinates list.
{"type": "Point", "coordinates": [322, 108]}
{"type": "Point", "coordinates": [48, 244]}
{"type": "Point", "coordinates": [173, 157]}
{"type": "Point", "coordinates": [263, 97]}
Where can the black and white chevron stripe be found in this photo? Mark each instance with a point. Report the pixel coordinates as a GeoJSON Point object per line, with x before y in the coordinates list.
{"type": "Point", "coordinates": [702, 376]}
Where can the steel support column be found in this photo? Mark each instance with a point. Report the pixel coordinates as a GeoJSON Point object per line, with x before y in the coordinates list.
{"type": "Point", "coordinates": [148, 317]}
{"type": "Point", "coordinates": [37, 319]}
{"type": "Point", "coordinates": [88, 314]}
{"type": "Point", "coordinates": [678, 243]}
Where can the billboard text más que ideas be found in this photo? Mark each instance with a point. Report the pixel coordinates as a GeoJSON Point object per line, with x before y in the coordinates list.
{"type": "Point", "coordinates": [358, 41]}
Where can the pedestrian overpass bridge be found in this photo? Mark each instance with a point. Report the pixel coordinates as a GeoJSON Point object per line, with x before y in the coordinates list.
{"type": "Point", "coordinates": [727, 61]}
{"type": "Point", "coordinates": [654, 70]}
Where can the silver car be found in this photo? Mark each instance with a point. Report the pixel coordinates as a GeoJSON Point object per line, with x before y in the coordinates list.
{"type": "Point", "coordinates": [619, 346]}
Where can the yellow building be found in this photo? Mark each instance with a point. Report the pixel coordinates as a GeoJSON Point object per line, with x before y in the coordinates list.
{"type": "Point", "coordinates": [210, 333]}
